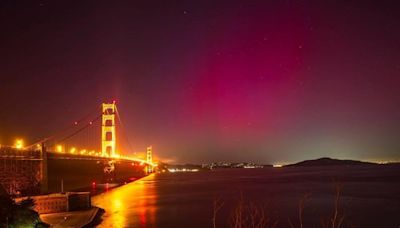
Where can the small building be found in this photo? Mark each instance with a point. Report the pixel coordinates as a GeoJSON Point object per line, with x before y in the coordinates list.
{"type": "Point", "coordinates": [60, 202]}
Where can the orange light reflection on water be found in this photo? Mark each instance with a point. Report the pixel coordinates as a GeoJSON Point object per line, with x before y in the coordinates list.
{"type": "Point", "coordinates": [130, 205]}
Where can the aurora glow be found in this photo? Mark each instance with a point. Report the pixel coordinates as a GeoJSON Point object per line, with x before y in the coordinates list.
{"type": "Point", "coordinates": [206, 81]}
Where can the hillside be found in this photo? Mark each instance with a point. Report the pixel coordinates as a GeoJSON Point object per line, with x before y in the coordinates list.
{"type": "Point", "coordinates": [330, 162]}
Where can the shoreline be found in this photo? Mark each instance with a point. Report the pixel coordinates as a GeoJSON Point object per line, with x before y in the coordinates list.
{"type": "Point", "coordinates": [80, 218]}
{"type": "Point", "coordinates": [83, 218]}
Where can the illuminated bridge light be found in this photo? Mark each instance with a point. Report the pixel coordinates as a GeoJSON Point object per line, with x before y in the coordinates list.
{"type": "Point", "coordinates": [116, 156]}
{"type": "Point", "coordinates": [59, 148]}
{"type": "Point", "coordinates": [72, 150]}
{"type": "Point", "coordinates": [38, 146]}
{"type": "Point", "coordinates": [83, 152]}
{"type": "Point", "coordinates": [19, 144]}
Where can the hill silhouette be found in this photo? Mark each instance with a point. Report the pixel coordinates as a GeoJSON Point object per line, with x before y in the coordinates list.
{"type": "Point", "coordinates": [325, 161]}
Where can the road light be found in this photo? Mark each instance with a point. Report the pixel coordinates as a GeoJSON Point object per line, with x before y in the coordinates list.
{"type": "Point", "coordinates": [19, 144]}
{"type": "Point", "coordinates": [59, 148]}
{"type": "Point", "coordinates": [38, 146]}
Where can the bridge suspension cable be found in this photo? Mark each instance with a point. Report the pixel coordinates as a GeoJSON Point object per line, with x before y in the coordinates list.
{"type": "Point", "coordinates": [79, 130]}
{"type": "Point", "coordinates": [123, 130]}
{"type": "Point", "coordinates": [65, 129]}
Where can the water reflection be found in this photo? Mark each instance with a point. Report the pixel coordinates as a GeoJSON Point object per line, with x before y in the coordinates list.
{"type": "Point", "coordinates": [131, 205]}
{"type": "Point", "coordinates": [186, 199]}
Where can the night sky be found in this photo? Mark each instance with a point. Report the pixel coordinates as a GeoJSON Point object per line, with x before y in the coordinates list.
{"type": "Point", "coordinates": [263, 81]}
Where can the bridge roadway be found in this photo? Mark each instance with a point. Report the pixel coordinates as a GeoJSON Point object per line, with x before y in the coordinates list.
{"type": "Point", "coordinates": [33, 171]}
{"type": "Point", "coordinates": [58, 155]}
{"type": "Point", "coordinates": [81, 171]}
{"type": "Point", "coordinates": [8, 153]}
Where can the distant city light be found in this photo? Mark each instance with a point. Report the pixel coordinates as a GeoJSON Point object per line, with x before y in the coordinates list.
{"type": "Point", "coordinates": [174, 170]}
{"type": "Point", "coordinates": [19, 144]}
{"type": "Point", "coordinates": [277, 165]}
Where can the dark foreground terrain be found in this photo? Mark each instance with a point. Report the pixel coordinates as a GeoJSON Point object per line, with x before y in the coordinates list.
{"type": "Point", "coordinates": [369, 197]}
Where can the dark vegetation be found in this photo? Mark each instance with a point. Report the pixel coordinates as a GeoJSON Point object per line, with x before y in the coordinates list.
{"type": "Point", "coordinates": [17, 214]}
{"type": "Point", "coordinates": [247, 214]}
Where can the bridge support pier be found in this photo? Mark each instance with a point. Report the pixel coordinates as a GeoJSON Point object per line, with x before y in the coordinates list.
{"type": "Point", "coordinates": [149, 158]}
{"type": "Point", "coordinates": [43, 170]}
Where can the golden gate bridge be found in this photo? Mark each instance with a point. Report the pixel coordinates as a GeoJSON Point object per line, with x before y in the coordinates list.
{"type": "Point", "coordinates": [89, 144]}
{"type": "Point", "coordinates": [82, 137]}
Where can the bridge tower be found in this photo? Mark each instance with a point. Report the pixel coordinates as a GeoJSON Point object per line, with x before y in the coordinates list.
{"type": "Point", "coordinates": [149, 159]}
{"type": "Point", "coordinates": [108, 137]}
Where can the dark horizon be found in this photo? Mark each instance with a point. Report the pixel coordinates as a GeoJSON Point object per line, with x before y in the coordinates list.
{"type": "Point", "coordinates": [264, 82]}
